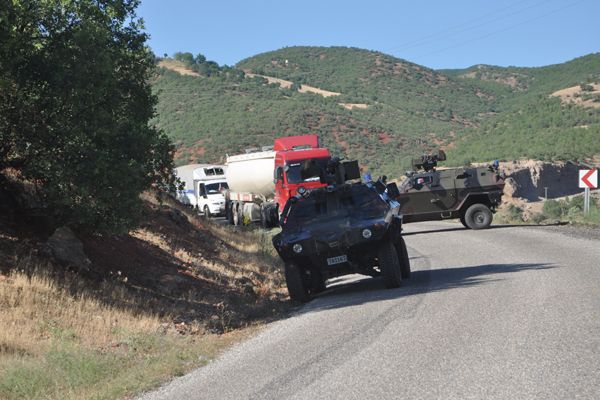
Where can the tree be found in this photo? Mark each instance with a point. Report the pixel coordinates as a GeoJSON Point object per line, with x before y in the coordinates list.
{"type": "Point", "coordinates": [186, 57]}
{"type": "Point", "coordinates": [75, 102]}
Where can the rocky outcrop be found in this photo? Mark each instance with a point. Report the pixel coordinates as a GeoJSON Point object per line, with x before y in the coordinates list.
{"type": "Point", "coordinates": [529, 179]}
{"type": "Point", "coordinates": [67, 249]}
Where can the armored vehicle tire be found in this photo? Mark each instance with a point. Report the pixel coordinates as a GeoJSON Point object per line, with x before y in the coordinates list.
{"type": "Point", "coordinates": [206, 212]}
{"type": "Point", "coordinates": [296, 284]}
{"type": "Point", "coordinates": [462, 221]}
{"type": "Point", "coordinates": [317, 283]}
{"type": "Point", "coordinates": [403, 258]}
{"type": "Point", "coordinates": [391, 273]}
{"type": "Point", "coordinates": [478, 216]}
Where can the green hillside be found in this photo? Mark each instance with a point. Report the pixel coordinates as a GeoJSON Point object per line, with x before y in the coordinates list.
{"type": "Point", "coordinates": [478, 113]}
{"type": "Point", "coordinates": [530, 122]}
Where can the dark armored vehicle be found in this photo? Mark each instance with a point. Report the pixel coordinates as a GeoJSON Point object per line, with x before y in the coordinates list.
{"type": "Point", "coordinates": [469, 193]}
{"type": "Point", "coordinates": [341, 230]}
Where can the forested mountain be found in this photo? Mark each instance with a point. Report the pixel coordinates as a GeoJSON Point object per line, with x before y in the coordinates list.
{"type": "Point", "coordinates": [383, 110]}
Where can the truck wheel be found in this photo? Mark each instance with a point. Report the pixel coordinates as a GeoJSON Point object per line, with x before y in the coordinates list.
{"type": "Point", "coordinates": [403, 258]}
{"type": "Point", "coordinates": [389, 265]}
{"type": "Point", "coordinates": [206, 213]}
{"type": "Point", "coordinates": [237, 218]}
{"type": "Point", "coordinates": [264, 217]}
{"type": "Point", "coordinates": [462, 221]}
{"type": "Point", "coordinates": [296, 284]}
{"type": "Point", "coordinates": [478, 216]}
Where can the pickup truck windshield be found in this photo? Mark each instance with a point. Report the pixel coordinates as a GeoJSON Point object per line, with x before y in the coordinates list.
{"type": "Point", "coordinates": [359, 202]}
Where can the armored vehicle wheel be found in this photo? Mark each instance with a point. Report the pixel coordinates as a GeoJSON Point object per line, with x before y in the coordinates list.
{"type": "Point", "coordinates": [206, 213]}
{"type": "Point", "coordinates": [478, 216]}
{"type": "Point", "coordinates": [403, 258]}
{"type": "Point", "coordinates": [296, 284]}
{"type": "Point", "coordinates": [462, 221]}
{"type": "Point", "coordinates": [317, 282]}
{"type": "Point", "coordinates": [391, 273]}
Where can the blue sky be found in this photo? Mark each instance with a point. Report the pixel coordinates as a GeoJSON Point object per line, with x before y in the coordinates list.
{"type": "Point", "coordinates": [437, 34]}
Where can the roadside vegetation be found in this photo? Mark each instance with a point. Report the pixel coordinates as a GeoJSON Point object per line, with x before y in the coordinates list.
{"type": "Point", "coordinates": [567, 210]}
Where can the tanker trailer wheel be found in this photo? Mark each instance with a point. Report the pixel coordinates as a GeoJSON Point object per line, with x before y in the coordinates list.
{"type": "Point", "coordinates": [403, 258]}
{"type": "Point", "coordinates": [206, 212]}
{"type": "Point", "coordinates": [296, 284]}
{"type": "Point", "coordinates": [391, 273]}
{"type": "Point", "coordinates": [237, 217]}
{"type": "Point", "coordinates": [229, 212]}
{"type": "Point", "coordinates": [478, 216]}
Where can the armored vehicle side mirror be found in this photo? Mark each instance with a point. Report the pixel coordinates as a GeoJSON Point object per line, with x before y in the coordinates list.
{"type": "Point", "coordinates": [441, 155]}
{"type": "Point", "coordinates": [392, 190]}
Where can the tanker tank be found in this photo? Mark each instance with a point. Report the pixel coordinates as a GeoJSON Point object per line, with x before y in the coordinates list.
{"type": "Point", "coordinates": [251, 173]}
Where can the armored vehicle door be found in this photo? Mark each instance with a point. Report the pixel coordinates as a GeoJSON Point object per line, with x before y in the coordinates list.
{"type": "Point", "coordinates": [431, 192]}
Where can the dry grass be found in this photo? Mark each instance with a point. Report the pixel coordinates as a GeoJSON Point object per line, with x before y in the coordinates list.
{"type": "Point", "coordinates": [162, 300]}
{"type": "Point", "coordinates": [34, 308]}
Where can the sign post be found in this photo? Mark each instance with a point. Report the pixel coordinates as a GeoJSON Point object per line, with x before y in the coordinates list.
{"type": "Point", "coordinates": [588, 179]}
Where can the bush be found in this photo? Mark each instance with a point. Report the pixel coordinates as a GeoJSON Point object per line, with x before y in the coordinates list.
{"type": "Point", "coordinates": [555, 208]}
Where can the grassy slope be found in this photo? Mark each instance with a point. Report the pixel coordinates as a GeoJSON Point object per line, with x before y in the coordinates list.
{"type": "Point", "coordinates": [160, 301]}
{"type": "Point", "coordinates": [411, 109]}
{"type": "Point", "coordinates": [530, 123]}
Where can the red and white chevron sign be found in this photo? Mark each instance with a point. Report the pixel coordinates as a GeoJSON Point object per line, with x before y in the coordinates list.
{"type": "Point", "coordinates": [588, 178]}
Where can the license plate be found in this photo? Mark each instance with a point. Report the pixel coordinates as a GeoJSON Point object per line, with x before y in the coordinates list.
{"type": "Point", "coordinates": [337, 260]}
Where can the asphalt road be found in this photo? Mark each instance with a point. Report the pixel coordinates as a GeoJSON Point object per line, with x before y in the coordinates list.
{"type": "Point", "coordinates": [505, 313]}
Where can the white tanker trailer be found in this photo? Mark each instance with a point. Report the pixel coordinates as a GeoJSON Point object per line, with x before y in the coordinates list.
{"type": "Point", "coordinates": [251, 185]}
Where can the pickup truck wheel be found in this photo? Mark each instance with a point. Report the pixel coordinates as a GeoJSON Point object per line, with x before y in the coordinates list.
{"type": "Point", "coordinates": [403, 258]}
{"type": "Point", "coordinates": [478, 216]}
{"type": "Point", "coordinates": [206, 213]}
{"type": "Point", "coordinates": [389, 265]}
{"type": "Point", "coordinates": [462, 221]}
{"type": "Point", "coordinates": [296, 284]}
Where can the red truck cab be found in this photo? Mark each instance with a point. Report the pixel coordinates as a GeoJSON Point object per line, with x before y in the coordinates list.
{"type": "Point", "coordinates": [289, 176]}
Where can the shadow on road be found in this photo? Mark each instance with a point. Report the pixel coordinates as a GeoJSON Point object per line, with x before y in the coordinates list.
{"type": "Point", "coordinates": [350, 291]}
{"type": "Point", "coordinates": [462, 228]}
